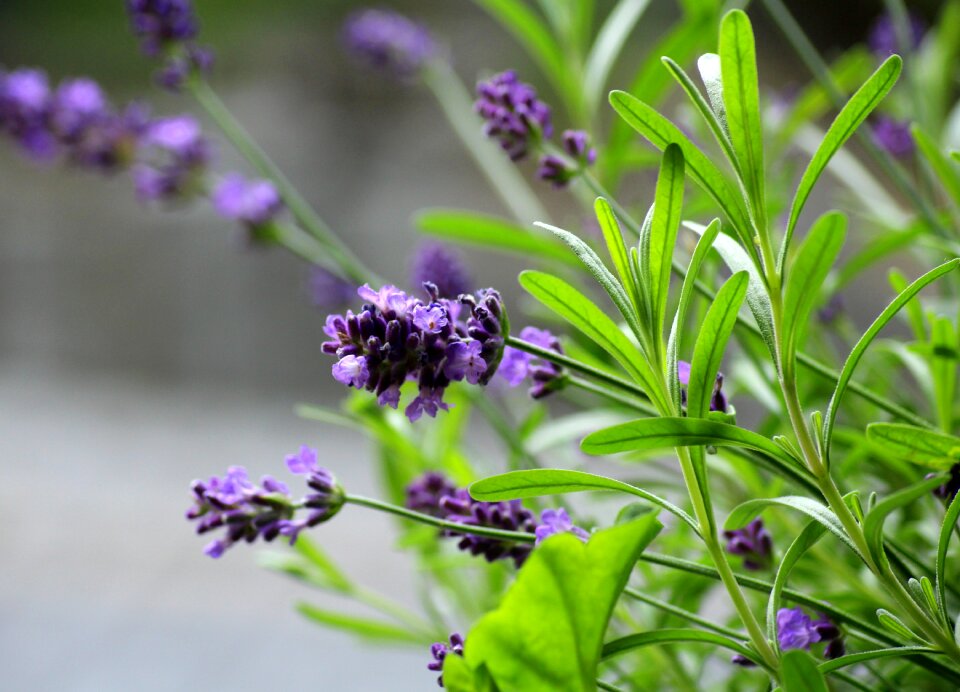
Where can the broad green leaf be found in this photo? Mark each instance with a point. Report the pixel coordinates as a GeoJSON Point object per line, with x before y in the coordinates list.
{"type": "Point", "coordinates": [711, 342]}
{"type": "Point", "coordinates": [664, 433]}
{"type": "Point", "coordinates": [547, 633]}
{"type": "Point", "coordinates": [929, 448]}
{"type": "Point", "coordinates": [660, 132]}
{"type": "Point", "coordinates": [799, 673]}
{"type": "Point", "coordinates": [851, 116]}
{"type": "Point", "coordinates": [946, 532]}
{"type": "Point", "coordinates": [676, 636]}
{"type": "Point", "coordinates": [741, 98]}
{"type": "Point", "coordinates": [807, 273]}
{"type": "Point", "coordinates": [946, 172]}
{"type": "Point", "coordinates": [700, 253]}
{"type": "Point", "coordinates": [518, 485]}
{"type": "Point", "coordinates": [459, 676]}
{"type": "Point", "coordinates": [864, 656]}
{"type": "Point", "coordinates": [716, 120]}
{"type": "Point", "coordinates": [801, 544]}
{"type": "Point", "coordinates": [599, 271]}
{"type": "Point", "coordinates": [873, 523]}
{"type": "Point", "coordinates": [490, 232]}
{"type": "Point", "coordinates": [861, 346]}
{"type": "Point", "coordinates": [746, 511]}
{"type": "Point", "coordinates": [613, 238]}
{"type": "Point", "coordinates": [367, 628]}
{"type": "Point", "coordinates": [610, 40]}
{"type": "Point", "coordinates": [664, 225]}
{"type": "Point", "coordinates": [579, 311]}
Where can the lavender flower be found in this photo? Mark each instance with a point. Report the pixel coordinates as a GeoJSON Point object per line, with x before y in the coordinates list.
{"type": "Point", "coordinates": [718, 402]}
{"type": "Point", "coordinates": [77, 105]}
{"type": "Point", "coordinates": [434, 495]}
{"type": "Point", "coordinates": [440, 651]}
{"type": "Point", "coordinates": [948, 491]}
{"type": "Point", "coordinates": [160, 24]}
{"type": "Point", "coordinates": [560, 171]}
{"type": "Point", "coordinates": [554, 521]}
{"type": "Point", "coordinates": [326, 499]}
{"type": "Point", "coordinates": [795, 630]}
{"type": "Point", "coordinates": [388, 41]}
{"type": "Point", "coordinates": [328, 290]}
{"type": "Point", "coordinates": [172, 155]}
{"type": "Point", "coordinates": [396, 338]}
{"type": "Point", "coordinates": [753, 543]}
{"type": "Point", "coordinates": [883, 39]}
{"type": "Point", "coordinates": [513, 113]}
{"type": "Point", "coordinates": [518, 365]}
{"type": "Point", "coordinates": [254, 203]}
{"type": "Point", "coordinates": [178, 68]}
{"type": "Point", "coordinates": [893, 136]}
{"type": "Point", "coordinates": [25, 102]}
{"type": "Point", "coordinates": [436, 264]}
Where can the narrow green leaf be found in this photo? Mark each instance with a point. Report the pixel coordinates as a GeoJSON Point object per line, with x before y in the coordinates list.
{"type": "Point", "coordinates": [518, 485]}
{"type": "Point", "coordinates": [547, 633]}
{"type": "Point", "coordinates": [946, 172]}
{"type": "Point", "coordinates": [711, 342]}
{"type": "Point", "coordinates": [686, 293]}
{"type": "Point", "coordinates": [665, 223]}
{"type": "Point", "coordinates": [873, 524]}
{"type": "Point", "coordinates": [579, 311]}
{"type": "Point", "coordinates": [807, 273]}
{"type": "Point", "coordinates": [610, 40]}
{"type": "Point", "coordinates": [747, 511]}
{"type": "Point", "coordinates": [613, 237]}
{"type": "Point", "coordinates": [864, 656]}
{"type": "Point", "coordinates": [660, 132]}
{"type": "Point", "coordinates": [676, 636]}
{"type": "Point", "coordinates": [799, 673]}
{"type": "Point", "coordinates": [741, 97]}
{"type": "Point", "coordinates": [928, 448]}
{"type": "Point", "coordinates": [851, 116]}
{"type": "Point", "coordinates": [861, 346]}
{"type": "Point", "coordinates": [363, 627]}
{"type": "Point", "coordinates": [490, 232]}
{"type": "Point", "coordinates": [711, 73]}
{"type": "Point", "coordinates": [319, 559]}
{"type": "Point", "coordinates": [946, 532]}
{"type": "Point", "coordinates": [892, 623]}
{"type": "Point", "coordinates": [801, 544]}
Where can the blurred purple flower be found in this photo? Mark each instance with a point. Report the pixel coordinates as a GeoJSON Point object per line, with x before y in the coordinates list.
{"type": "Point", "coordinates": [560, 171]}
{"type": "Point", "coordinates": [554, 521]}
{"type": "Point", "coordinates": [388, 41]}
{"type": "Point", "coordinates": [893, 136]}
{"type": "Point", "coordinates": [436, 264]}
{"type": "Point", "coordinates": [172, 157]}
{"type": "Point", "coordinates": [251, 202]}
{"type": "Point", "coordinates": [25, 102]}
{"type": "Point", "coordinates": [883, 39]}
{"type": "Point", "coordinates": [160, 24]}
{"type": "Point", "coordinates": [753, 542]}
{"type": "Point", "coordinates": [513, 113]}
{"type": "Point", "coordinates": [440, 651]}
{"type": "Point", "coordinates": [795, 629]}
{"type": "Point", "coordinates": [718, 402]}
{"type": "Point", "coordinates": [517, 365]}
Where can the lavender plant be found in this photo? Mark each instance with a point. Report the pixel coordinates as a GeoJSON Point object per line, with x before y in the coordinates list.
{"type": "Point", "coordinates": [632, 326]}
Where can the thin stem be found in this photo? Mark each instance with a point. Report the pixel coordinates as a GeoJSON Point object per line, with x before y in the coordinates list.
{"type": "Point", "coordinates": [395, 610]}
{"type": "Point", "coordinates": [515, 536]}
{"type": "Point", "coordinates": [629, 401]}
{"type": "Point", "coordinates": [684, 614]}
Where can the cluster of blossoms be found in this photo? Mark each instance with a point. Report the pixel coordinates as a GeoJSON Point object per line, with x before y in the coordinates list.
{"type": "Point", "coordinates": [753, 543]}
{"type": "Point", "coordinates": [795, 630]}
{"type": "Point", "coordinates": [517, 365]}
{"type": "Point", "coordinates": [248, 511]}
{"type": "Point", "coordinates": [172, 159]}
{"type": "Point", "coordinates": [518, 120]}
{"type": "Point", "coordinates": [433, 494]}
{"type": "Point", "coordinates": [388, 41]}
{"type": "Point", "coordinates": [167, 28]}
{"type": "Point", "coordinates": [396, 337]}
{"type": "Point", "coordinates": [440, 650]}
{"type": "Point", "coordinates": [718, 401]}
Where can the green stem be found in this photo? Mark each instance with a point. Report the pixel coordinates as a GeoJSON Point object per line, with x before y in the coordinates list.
{"type": "Point", "coordinates": [684, 614]}
{"type": "Point", "coordinates": [629, 401]}
{"type": "Point", "coordinates": [394, 610]}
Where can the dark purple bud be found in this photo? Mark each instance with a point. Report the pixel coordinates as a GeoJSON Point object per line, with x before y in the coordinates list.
{"type": "Point", "coordinates": [512, 112]}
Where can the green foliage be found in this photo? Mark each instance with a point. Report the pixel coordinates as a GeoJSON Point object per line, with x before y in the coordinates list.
{"type": "Point", "coordinates": [919, 446]}
{"type": "Point", "coordinates": [800, 673]}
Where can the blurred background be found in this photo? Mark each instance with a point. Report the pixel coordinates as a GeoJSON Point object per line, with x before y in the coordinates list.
{"type": "Point", "coordinates": [142, 348]}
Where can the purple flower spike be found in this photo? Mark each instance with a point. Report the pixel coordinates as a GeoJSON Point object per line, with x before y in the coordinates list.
{"type": "Point", "coordinates": [77, 105]}
{"type": "Point", "coordinates": [753, 543]}
{"type": "Point", "coordinates": [430, 319]}
{"type": "Point", "coordinates": [172, 156]}
{"type": "Point", "coordinates": [254, 203]}
{"type": "Point", "coordinates": [440, 651]}
{"type": "Point", "coordinates": [559, 171]}
{"type": "Point", "coordinates": [464, 361]}
{"type": "Point", "coordinates": [795, 630]}
{"type": "Point", "coordinates": [883, 39]}
{"type": "Point", "coordinates": [25, 105]}
{"type": "Point", "coordinates": [160, 24]}
{"type": "Point", "coordinates": [388, 41]}
{"type": "Point", "coordinates": [893, 136]}
{"type": "Point", "coordinates": [517, 365]}
{"type": "Point", "coordinates": [718, 402]}
{"type": "Point", "coordinates": [434, 263]}
{"type": "Point", "coordinates": [554, 521]}
{"type": "Point", "coordinates": [513, 113]}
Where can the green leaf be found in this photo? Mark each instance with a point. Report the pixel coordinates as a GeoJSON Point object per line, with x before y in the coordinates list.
{"type": "Point", "coordinates": [664, 225]}
{"type": "Point", "coordinates": [864, 656]}
{"type": "Point", "coordinates": [711, 342]}
{"type": "Point", "coordinates": [664, 433]}
{"type": "Point", "coordinates": [660, 132]}
{"type": "Point", "coordinates": [518, 485]}
{"type": "Point", "coordinates": [741, 97]}
{"type": "Point", "coordinates": [490, 232]}
{"type": "Point", "coordinates": [613, 237]}
{"type": "Point", "coordinates": [746, 511]}
{"type": "Point", "coordinates": [676, 636]}
{"type": "Point", "coordinates": [365, 628]}
{"type": "Point", "coordinates": [928, 448]}
{"type": "Point", "coordinates": [686, 293]}
{"type": "Point", "coordinates": [547, 633]}
{"type": "Point", "coordinates": [873, 523]}
{"type": "Point", "coordinates": [579, 311]}
{"type": "Point", "coordinates": [317, 557]}
{"type": "Point", "coordinates": [711, 73]}
{"type": "Point", "coordinates": [861, 346]}
{"type": "Point", "coordinates": [801, 544]}
{"type": "Point", "coordinates": [799, 673]}
{"type": "Point", "coordinates": [609, 42]}
{"type": "Point", "coordinates": [892, 623]}
{"type": "Point", "coordinates": [808, 271]}
{"type": "Point", "coordinates": [599, 271]}
{"type": "Point", "coordinates": [851, 116]}
{"type": "Point", "coordinates": [946, 172]}
{"type": "Point", "coordinates": [946, 532]}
